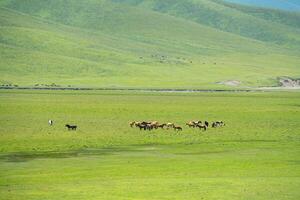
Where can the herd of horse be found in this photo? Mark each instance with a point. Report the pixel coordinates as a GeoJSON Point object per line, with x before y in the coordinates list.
{"type": "Point", "coordinates": [156, 125]}
{"type": "Point", "coordinates": [144, 125]}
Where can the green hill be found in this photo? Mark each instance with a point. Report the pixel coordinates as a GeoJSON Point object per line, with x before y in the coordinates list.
{"type": "Point", "coordinates": [144, 44]}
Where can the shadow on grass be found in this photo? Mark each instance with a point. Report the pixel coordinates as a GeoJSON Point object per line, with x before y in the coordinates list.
{"type": "Point", "coordinates": [28, 156]}
{"type": "Point", "coordinates": [137, 148]}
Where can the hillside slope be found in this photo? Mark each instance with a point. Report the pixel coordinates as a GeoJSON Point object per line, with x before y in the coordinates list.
{"type": "Point", "coordinates": [110, 44]}
{"type": "Point", "coordinates": [245, 21]}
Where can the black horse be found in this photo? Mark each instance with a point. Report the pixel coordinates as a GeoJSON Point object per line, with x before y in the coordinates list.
{"type": "Point", "coordinates": [204, 127]}
{"type": "Point", "coordinates": [206, 123]}
{"type": "Point", "coordinates": [71, 127]}
{"type": "Point", "coordinates": [141, 126]}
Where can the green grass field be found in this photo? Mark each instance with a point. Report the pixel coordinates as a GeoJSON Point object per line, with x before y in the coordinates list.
{"type": "Point", "coordinates": [255, 156]}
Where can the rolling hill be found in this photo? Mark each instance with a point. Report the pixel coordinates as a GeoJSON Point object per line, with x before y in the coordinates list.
{"type": "Point", "coordinates": [145, 43]}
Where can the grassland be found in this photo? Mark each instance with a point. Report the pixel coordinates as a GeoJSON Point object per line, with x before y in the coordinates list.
{"type": "Point", "coordinates": [145, 44]}
{"type": "Point", "coordinates": [255, 156]}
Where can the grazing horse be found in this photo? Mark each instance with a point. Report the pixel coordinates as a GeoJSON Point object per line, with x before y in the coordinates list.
{"type": "Point", "coordinates": [191, 124]}
{"type": "Point", "coordinates": [50, 122]}
{"type": "Point", "coordinates": [145, 123]}
{"type": "Point", "coordinates": [197, 122]}
{"type": "Point", "coordinates": [131, 124]}
{"type": "Point", "coordinates": [161, 126]}
{"type": "Point", "coordinates": [170, 125]}
{"type": "Point", "coordinates": [141, 126]}
{"type": "Point", "coordinates": [206, 123]}
{"type": "Point", "coordinates": [71, 127]}
{"type": "Point", "coordinates": [221, 123]}
{"type": "Point", "coordinates": [217, 124]}
{"type": "Point", "coordinates": [154, 124]}
{"type": "Point", "coordinates": [202, 127]}
{"type": "Point", "coordinates": [177, 128]}
{"type": "Point", "coordinates": [214, 125]}
{"type": "Point", "coordinates": [149, 127]}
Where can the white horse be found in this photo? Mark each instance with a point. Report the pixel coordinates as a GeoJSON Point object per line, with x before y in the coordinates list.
{"type": "Point", "coordinates": [50, 122]}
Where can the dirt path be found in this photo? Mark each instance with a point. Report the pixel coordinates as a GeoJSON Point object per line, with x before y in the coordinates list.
{"type": "Point", "coordinates": [262, 89]}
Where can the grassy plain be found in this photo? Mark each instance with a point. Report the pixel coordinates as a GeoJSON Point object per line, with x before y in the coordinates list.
{"type": "Point", "coordinates": [255, 156]}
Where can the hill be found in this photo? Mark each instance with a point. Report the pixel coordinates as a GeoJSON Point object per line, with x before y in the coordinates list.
{"type": "Point", "coordinates": [144, 44]}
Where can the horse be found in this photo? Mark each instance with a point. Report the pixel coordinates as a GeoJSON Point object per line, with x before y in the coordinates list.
{"type": "Point", "coordinates": [145, 123]}
{"type": "Point", "coordinates": [221, 123]}
{"type": "Point", "coordinates": [144, 126]}
{"type": "Point", "coordinates": [197, 122]}
{"type": "Point", "coordinates": [177, 128]}
{"type": "Point", "coordinates": [170, 125]}
{"type": "Point", "coordinates": [131, 124]}
{"type": "Point", "coordinates": [202, 127]}
{"type": "Point", "coordinates": [206, 123]}
{"type": "Point", "coordinates": [191, 124]}
{"type": "Point", "coordinates": [149, 127]}
{"type": "Point", "coordinates": [50, 122]}
{"type": "Point", "coordinates": [71, 127]}
{"type": "Point", "coordinates": [217, 124]}
{"type": "Point", "coordinates": [154, 124]}
{"type": "Point", "coordinates": [214, 125]}
{"type": "Point", "coordinates": [161, 126]}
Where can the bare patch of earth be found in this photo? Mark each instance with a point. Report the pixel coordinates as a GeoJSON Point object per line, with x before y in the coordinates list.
{"type": "Point", "coordinates": [230, 83]}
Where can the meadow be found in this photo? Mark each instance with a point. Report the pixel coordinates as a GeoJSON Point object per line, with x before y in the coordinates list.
{"type": "Point", "coordinates": [255, 156]}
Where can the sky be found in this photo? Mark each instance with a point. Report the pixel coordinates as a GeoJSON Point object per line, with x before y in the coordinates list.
{"type": "Point", "coordinates": [292, 5]}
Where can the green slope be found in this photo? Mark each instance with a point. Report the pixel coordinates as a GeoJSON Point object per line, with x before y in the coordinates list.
{"type": "Point", "coordinates": [241, 20]}
{"type": "Point", "coordinates": [110, 44]}
{"type": "Point", "coordinates": [273, 15]}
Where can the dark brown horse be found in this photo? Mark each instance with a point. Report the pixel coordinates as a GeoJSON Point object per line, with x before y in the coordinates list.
{"type": "Point", "coordinates": [162, 126]}
{"type": "Point", "coordinates": [177, 128]}
{"type": "Point", "coordinates": [71, 127]}
{"type": "Point", "coordinates": [202, 127]}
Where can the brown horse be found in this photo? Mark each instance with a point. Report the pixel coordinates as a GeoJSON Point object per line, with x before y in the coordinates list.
{"type": "Point", "coordinates": [177, 128]}
{"type": "Point", "coordinates": [162, 126]}
{"type": "Point", "coordinates": [154, 124]}
{"type": "Point", "coordinates": [131, 124]}
{"type": "Point", "coordinates": [191, 124]}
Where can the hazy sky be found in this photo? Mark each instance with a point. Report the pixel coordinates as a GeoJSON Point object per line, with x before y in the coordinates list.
{"type": "Point", "coordinates": [282, 4]}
